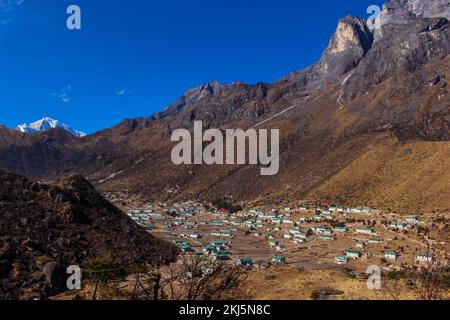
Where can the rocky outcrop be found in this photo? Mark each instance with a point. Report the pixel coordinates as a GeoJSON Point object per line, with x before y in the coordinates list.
{"type": "Point", "coordinates": [349, 44]}
{"type": "Point", "coordinates": [429, 8]}
{"type": "Point", "coordinates": [406, 42]}
{"type": "Point", "coordinates": [351, 34]}
{"type": "Point", "coordinates": [403, 12]}
{"type": "Point", "coordinates": [191, 97]}
{"type": "Point", "coordinates": [46, 228]}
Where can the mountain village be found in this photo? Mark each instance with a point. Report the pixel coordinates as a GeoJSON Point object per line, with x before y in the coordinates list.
{"type": "Point", "coordinates": [305, 235]}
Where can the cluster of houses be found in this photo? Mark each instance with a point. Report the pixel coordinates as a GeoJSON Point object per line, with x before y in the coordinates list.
{"type": "Point", "coordinates": [218, 249]}
{"type": "Point", "coordinates": [276, 245]}
{"type": "Point", "coordinates": [297, 235]}
{"type": "Point", "coordinates": [222, 233]}
{"type": "Point", "coordinates": [184, 246]}
{"type": "Point", "coordinates": [338, 209]}
{"type": "Point", "coordinates": [407, 224]}
{"type": "Point", "coordinates": [248, 262]}
{"type": "Point", "coordinates": [390, 256]}
{"type": "Point", "coordinates": [262, 223]}
{"type": "Point", "coordinates": [144, 218]}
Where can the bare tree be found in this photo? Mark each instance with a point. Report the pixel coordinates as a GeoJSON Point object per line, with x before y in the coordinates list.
{"type": "Point", "coordinates": [146, 284]}
{"type": "Point", "coordinates": [429, 278]}
{"type": "Point", "coordinates": [200, 278]}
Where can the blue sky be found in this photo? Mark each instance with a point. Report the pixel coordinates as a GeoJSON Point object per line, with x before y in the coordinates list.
{"type": "Point", "coordinates": [134, 57]}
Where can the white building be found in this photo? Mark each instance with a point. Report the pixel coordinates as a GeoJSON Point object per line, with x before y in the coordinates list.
{"type": "Point", "coordinates": [424, 258]}
{"type": "Point", "coordinates": [340, 229]}
{"type": "Point", "coordinates": [391, 255]}
{"type": "Point", "coordinates": [361, 245]}
{"type": "Point", "coordinates": [399, 225]}
{"type": "Point", "coordinates": [341, 259]}
{"type": "Point", "coordinates": [412, 220]}
{"type": "Point", "coordinates": [365, 230]}
{"type": "Point", "coordinates": [353, 254]}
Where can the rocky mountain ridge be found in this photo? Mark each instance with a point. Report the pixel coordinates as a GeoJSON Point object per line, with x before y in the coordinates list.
{"type": "Point", "coordinates": [369, 90]}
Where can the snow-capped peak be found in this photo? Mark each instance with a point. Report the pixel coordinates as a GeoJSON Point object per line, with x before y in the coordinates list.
{"type": "Point", "coordinates": [47, 124]}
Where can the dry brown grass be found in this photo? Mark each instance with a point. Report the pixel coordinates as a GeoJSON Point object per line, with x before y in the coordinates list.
{"type": "Point", "coordinates": [293, 283]}
{"type": "Point", "coordinates": [408, 178]}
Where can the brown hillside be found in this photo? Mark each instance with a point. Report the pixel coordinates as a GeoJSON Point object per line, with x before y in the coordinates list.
{"type": "Point", "coordinates": [405, 177]}
{"type": "Point", "coordinates": [344, 123]}
{"type": "Point", "coordinates": [44, 229]}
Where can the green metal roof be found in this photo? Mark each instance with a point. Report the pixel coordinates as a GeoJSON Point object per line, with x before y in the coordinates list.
{"type": "Point", "coordinates": [246, 260]}
{"type": "Point", "coordinates": [278, 258]}
{"type": "Point", "coordinates": [222, 254]}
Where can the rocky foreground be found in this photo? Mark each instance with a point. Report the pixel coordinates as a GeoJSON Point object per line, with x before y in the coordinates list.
{"type": "Point", "coordinates": [46, 228]}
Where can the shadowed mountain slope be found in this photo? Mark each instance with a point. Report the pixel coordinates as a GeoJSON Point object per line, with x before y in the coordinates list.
{"type": "Point", "coordinates": [369, 89]}
{"type": "Point", "coordinates": [46, 228]}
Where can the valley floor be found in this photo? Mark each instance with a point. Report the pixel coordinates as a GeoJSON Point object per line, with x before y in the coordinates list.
{"type": "Point", "coordinates": [303, 252]}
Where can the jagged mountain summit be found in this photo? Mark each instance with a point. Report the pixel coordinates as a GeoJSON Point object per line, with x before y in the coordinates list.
{"type": "Point", "coordinates": [368, 124]}
{"type": "Point", "coordinates": [46, 124]}
{"type": "Point", "coordinates": [349, 44]}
